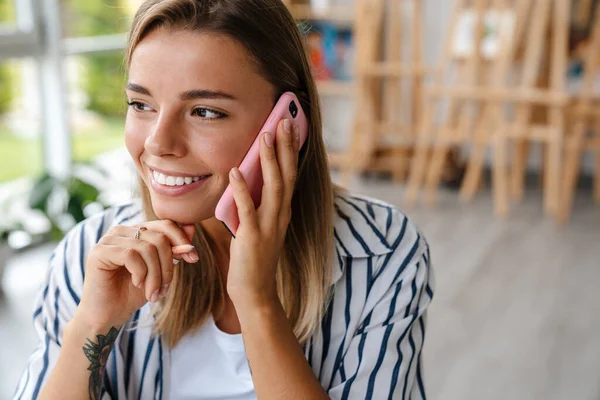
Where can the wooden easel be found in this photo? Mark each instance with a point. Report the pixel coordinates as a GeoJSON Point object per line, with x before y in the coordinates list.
{"type": "Point", "coordinates": [549, 131]}
{"type": "Point", "coordinates": [487, 97]}
{"type": "Point", "coordinates": [446, 91]}
{"type": "Point", "coordinates": [492, 113]}
{"type": "Point", "coordinates": [383, 133]}
{"type": "Point", "coordinates": [585, 117]}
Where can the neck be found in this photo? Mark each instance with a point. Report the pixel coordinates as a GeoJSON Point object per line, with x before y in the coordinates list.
{"type": "Point", "coordinates": [219, 234]}
{"type": "Point", "coordinates": [228, 322]}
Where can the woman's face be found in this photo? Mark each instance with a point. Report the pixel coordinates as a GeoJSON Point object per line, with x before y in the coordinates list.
{"type": "Point", "coordinates": [196, 105]}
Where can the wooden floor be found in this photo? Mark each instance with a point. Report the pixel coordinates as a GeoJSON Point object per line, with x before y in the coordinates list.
{"type": "Point", "coordinates": [516, 313]}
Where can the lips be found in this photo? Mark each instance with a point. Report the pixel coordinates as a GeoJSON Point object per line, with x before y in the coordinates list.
{"type": "Point", "coordinates": [172, 180]}
{"type": "Point", "coordinates": [175, 185]}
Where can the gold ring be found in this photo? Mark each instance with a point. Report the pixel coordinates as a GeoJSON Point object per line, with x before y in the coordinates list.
{"type": "Point", "coordinates": [140, 229]}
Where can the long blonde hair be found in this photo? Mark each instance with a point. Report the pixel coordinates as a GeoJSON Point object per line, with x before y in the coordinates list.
{"type": "Point", "coordinates": [269, 33]}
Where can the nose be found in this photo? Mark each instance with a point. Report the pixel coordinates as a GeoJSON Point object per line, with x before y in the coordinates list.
{"type": "Point", "coordinates": [166, 138]}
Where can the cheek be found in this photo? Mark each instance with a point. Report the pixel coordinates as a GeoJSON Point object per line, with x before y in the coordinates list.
{"type": "Point", "coordinates": [226, 152]}
{"type": "Point", "coordinates": [134, 140]}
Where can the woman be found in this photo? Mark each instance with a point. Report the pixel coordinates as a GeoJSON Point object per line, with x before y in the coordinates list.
{"type": "Point", "coordinates": [320, 295]}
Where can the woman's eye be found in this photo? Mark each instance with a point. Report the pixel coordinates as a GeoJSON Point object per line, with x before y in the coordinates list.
{"type": "Point", "coordinates": [207, 114]}
{"type": "Point", "coordinates": [139, 106]}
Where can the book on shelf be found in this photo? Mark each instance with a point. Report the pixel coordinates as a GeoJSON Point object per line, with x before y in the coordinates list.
{"type": "Point", "coordinates": [330, 50]}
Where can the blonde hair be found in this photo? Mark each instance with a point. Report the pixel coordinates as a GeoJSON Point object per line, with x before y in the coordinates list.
{"type": "Point", "coordinates": [268, 32]}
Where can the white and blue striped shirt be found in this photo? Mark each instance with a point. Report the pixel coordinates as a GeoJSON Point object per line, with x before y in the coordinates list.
{"type": "Point", "coordinates": [370, 343]}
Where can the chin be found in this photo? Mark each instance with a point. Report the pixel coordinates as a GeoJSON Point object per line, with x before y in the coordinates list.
{"type": "Point", "coordinates": [181, 212]}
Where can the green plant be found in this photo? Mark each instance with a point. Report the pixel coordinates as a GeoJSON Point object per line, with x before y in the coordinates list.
{"type": "Point", "coordinates": [4, 232]}
{"type": "Point", "coordinates": [63, 201]}
{"type": "Point", "coordinates": [6, 88]}
{"type": "Point", "coordinates": [8, 222]}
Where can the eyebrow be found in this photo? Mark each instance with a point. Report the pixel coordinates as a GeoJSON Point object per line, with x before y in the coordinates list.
{"type": "Point", "coordinates": [206, 94]}
{"type": "Point", "coordinates": [189, 95]}
{"type": "Point", "coordinates": [137, 88]}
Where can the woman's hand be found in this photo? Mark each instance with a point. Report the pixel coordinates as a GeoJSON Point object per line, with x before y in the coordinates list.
{"type": "Point", "coordinates": [260, 236]}
{"type": "Point", "coordinates": [124, 272]}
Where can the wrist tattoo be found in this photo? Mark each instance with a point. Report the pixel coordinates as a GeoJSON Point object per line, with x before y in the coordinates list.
{"type": "Point", "coordinates": [98, 354]}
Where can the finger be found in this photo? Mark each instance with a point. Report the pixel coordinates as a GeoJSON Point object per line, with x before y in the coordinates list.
{"type": "Point", "coordinates": [190, 231]}
{"type": "Point", "coordinates": [182, 249]}
{"type": "Point", "coordinates": [243, 199]}
{"type": "Point", "coordinates": [287, 155]}
{"type": "Point", "coordinates": [112, 257]}
{"type": "Point", "coordinates": [153, 281]}
{"type": "Point", "coordinates": [163, 247]}
{"type": "Point", "coordinates": [176, 234]}
{"type": "Point", "coordinates": [272, 190]}
{"type": "Point", "coordinates": [149, 254]}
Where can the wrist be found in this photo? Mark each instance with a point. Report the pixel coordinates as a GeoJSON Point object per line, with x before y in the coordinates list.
{"type": "Point", "coordinates": [82, 325]}
{"type": "Point", "coordinates": [251, 302]}
{"type": "Point", "coordinates": [257, 295]}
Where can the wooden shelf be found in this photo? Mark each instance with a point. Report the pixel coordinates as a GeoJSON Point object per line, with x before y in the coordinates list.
{"type": "Point", "coordinates": [335, 88]}
{"type": "Point", "coordinates": [339, 14]}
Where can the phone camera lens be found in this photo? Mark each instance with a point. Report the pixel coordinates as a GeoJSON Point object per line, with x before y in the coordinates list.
{"type": "Point", "coordinates": [293, 109]}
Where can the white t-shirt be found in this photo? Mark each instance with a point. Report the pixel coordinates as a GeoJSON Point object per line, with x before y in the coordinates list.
{"type": "Point", "coordinates": [210, 364]}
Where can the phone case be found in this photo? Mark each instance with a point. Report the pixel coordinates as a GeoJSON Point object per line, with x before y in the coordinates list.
{"type": "Point", "coordinates": [287, 106]}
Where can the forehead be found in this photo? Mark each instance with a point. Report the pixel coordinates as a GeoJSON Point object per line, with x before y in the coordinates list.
{"type": "Point", "coordinates": [180, 60]}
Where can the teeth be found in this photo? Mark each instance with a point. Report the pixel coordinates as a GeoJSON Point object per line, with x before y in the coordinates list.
{"type": "Point", "coordinates": [173, 180]}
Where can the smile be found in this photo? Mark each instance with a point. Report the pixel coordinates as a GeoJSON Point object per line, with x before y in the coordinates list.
{"type": "Point", "coordinates": [173, 186]}
{"type": "Point", "coordinates": [167, 180]}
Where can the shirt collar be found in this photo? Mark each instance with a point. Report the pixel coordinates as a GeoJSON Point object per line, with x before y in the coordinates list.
{"type": "Point", "coordinates": [357, 233]}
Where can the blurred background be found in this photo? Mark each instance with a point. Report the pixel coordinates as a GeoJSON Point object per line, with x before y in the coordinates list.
{"type": "Point", "coordinates": [479, 118]}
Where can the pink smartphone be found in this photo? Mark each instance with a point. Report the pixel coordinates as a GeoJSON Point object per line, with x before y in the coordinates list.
{"type": "Point", "coordinates": [288, 107]}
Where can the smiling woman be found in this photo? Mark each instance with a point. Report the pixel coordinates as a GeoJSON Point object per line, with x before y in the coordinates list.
{"type": "Point", "coordinates": [321, 294]}
{"type": "Point", "coordinates": [216, 105]}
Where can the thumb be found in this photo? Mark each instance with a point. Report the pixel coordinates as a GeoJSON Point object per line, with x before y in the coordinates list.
{"type": "Point", "coordinates": [190, 230]}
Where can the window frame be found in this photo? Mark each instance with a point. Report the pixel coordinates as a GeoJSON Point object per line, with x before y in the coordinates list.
{"type": "Point", "coordinates": [37, 34]}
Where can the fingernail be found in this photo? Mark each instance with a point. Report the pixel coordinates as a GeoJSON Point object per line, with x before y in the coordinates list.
{"type": "Point", "coordinates": [154, 297]}
{"type": "Point", "coordinates": [236, 173]}
{"type": "Point", "coordinates": [287, 127]}
{"type": "Point", "coordinates": [140, 285]}
{"type": "Point", "coordinates": [183, 248]}
{"type": "Point", "coordinates": [194, 256]}
{"type": "Point", "coordinates": [268, 139]}
{"type": "Point", "coordinates": [175, 261]}
{"type": "Point", "coordinates": [164, 289]}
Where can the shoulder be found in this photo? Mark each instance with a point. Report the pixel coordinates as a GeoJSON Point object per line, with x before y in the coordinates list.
{"type": "Point", "coordinates": [382, 287]}
{"type": "Point", "coordinates": [378, 248]}
{"type": "Point", "coordinates": [367, 227]}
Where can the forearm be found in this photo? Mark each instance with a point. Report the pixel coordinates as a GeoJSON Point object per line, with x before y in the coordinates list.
{"type": "Point", "coordinates": [279, 368]}
{"type": "Point", "coordinates": [79, 371]}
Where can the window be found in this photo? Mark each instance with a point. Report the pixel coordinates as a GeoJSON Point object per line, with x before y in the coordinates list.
{"type": "Point", "coordinates": [20, 144]}
{"type": "Point", "coordinates": [96, 17]}
{"type": "Point", "coordinates": [97, 103]}
{"type": "Point", "coordinates": [7, 14]}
